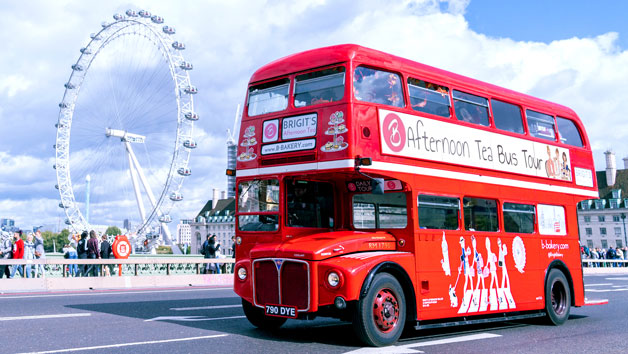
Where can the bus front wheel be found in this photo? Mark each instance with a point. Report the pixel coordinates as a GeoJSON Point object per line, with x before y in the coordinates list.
{"type": "Point", "coordinates": [557, 297]}
{"type": "Point", "coordinates": [256, 316]}
{"type": "Point", "coordinates": [381, 315]}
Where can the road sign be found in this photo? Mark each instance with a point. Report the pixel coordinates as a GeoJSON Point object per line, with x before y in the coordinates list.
{"type": "Point", "coordinates": [121, 247]}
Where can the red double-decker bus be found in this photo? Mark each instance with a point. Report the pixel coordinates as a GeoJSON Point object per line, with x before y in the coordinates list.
{"type": "Point", "coordinates": [385, 192]}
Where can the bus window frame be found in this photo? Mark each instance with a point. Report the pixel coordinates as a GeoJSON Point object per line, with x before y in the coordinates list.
{"type": "Point", "coordinates": [555, 127]}
{"type": "Point", "coordinates": [293, 78]}
{"type": "Point", "coordinates": [498, 208]}
{"type": "Point", "coordinates": [536, 218]}
{"type": "Point", "coordinates": [252, 84]}
{"type": "Point", "coordinates": [460, 210]}
{"type": "Point", "coordinates": [400, 75]}
{"type": "Point", "coordinates": [278, 212]}
{"type": "Point", "coordinates": [524, 124]}
{"type": "Point", "coordinates": [409, 220]}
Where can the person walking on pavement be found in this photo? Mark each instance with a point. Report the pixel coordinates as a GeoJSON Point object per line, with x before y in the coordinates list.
{"type": "Point", "coordinates": [29, 253]}
{"type": "Point", "coordinates": [81, 251]}
{"type": "Point", "coordinates": [40, 253]}
{"type": "Point", "coordinates": [6, 252]}
{"type": "Point", "coordinates": [92, 252]}
{"type": "Point", "coordinates": [105, 253]}
{"type": "Point", "coordinates": [18, 253]}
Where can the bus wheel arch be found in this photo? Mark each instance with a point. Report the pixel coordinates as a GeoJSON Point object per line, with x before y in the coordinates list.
{"type": "Point", "coordinates": [404, 280]}
{"type": "Point", "coordinates": [560, 265]}
{"type": "Point", "coordinates": [384, 305]}
{"type": "Point", "coordinates": [558, 292]}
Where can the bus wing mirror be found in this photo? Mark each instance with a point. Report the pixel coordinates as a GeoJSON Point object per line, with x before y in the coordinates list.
{"type": "Point", "coordinates": [377, 186]}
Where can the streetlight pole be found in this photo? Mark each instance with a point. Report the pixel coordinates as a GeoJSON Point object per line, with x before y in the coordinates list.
{"type": "Point", "coordinates": [623, 220]}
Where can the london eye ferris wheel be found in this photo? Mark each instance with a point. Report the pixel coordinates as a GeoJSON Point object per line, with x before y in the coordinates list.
{"type": "Point", "coordinates": [125, 127]}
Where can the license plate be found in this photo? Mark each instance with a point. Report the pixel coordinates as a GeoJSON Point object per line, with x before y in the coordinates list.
{"type": "Point", "coordinates": [281, 311]}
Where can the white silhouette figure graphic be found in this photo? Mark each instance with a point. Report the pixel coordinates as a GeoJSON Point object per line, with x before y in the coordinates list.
{"type": "Point", "coordinates": [491, 269]}
{"type": "Point", "coordinates": [445, 261]}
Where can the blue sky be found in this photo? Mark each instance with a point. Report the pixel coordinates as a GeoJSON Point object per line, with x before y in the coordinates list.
{"type": "Point", "coordinates": [570, 52]}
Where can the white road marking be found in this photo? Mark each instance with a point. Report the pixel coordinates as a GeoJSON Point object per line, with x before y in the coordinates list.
{"type": "Point", "coordinates": [204, 307]}
{"type": "Point", "coordinates": [191, 318]}
{"type": "Point", "coordinates": [616, 278]}
{"type": "Point", "coordinates": [601, 284]}
{"type": "Point", "coordinates": [128, 344]}
{"type": "Point", "coordinates": [605, 290]}
{"type": "Point", "coordinates": [107, 293]}
{"type": "Point", "coordinates": [39, 317]}
{"type": "Point", "coordinates": [406, 348]}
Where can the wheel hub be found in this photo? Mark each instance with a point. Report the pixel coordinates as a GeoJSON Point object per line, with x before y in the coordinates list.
{"type": "Point", "coordinates": [385, 310]}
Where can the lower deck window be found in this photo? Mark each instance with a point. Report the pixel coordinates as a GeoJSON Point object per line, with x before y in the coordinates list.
{"type": "Point", "coordinates": [519, 218]}
{"type": "Point", "coordinates": [387, 211]}
{"type": "Point", "coordinates": [480, 214]}
{"type": "Point", "coordinates": [436, 212]}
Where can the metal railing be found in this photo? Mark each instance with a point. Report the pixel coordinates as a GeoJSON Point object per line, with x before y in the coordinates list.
{"type": "Point", "coordinates": [604, 263]}
{"type": "Point", "coordinates": [134, 266]}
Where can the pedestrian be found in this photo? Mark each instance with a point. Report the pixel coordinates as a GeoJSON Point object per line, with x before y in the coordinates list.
{"type": "Point", "coordinates": [70, 253]}
{"type": "Point", "coordinates": [18, 253]}
{"type": "Point", "coordinates": [40, 253]}
{"type": "Point", "coordinates": [92, 253]}
{"type": "Point", "coordinates": [105, 253]}
{"type": "Point", "coordinates": [209, 249]}
{"type": "Point", "coordinates": [6, 252]}
{"type": "Point", "coordinates": [595, 256]}
{"type": "Point", "coordinates": [29, 253]}
{"type": "Point", "coordinates": [81, 251]}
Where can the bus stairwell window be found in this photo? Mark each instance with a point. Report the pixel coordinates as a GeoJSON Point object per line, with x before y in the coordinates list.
{"type": "Point", "coordinates": [377, 86]}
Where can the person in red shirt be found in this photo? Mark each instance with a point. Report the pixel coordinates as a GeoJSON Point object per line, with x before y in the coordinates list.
{"type": "Point", "coordinates": [18, 253]}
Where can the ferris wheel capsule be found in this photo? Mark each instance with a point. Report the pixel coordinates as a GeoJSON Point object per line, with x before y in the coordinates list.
{"type": "Point", "coordinates": [131, 13]}
{"type": "Point", "coordinates": [193, 116]}
{"type": "Point", "coordinates": [77, 67]}
{"type": "Point", "coordinates": [157, 19]}
{"type": "Point", "coordinates": [178, 45]}
{"type": "Point", "coordinates": [63, 105]}
{"type": "Point", "coordinates": [94, 36]}
{"type": "Point", "coordinates": [56, 186]}
{"type": "Point", "coordinates": [191, 90]}
{"type": "Point", "coordinates": [176, 196]}
{"type": "Point", "coordinates": [144, 13]}
{"type": "Point", "coordinates": [190, 144]}
{"type": "Point", "coordinates": [86, 51]}
{"type": "Point", "coordinates": [57, 125]}
{"type": "Point", "coordinates": [165, 218]}
{"type": "Point", "coordinates": [118, 17]}
{"type": "Point", "coordinates": [186, 66]}
{"type": "Point", "coordinates": [104, 24]}
{"type": "Point", "coordinates": [69, 86]}
{"type": "Point", "coordinates": [67, 222]}
{"type": "Point", "coordinates": [168, 30]}
{"type": "Point", "coordinates": [184, 171]}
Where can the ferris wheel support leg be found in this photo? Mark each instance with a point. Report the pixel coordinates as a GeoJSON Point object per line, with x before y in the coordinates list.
{"type": "Point", "coordinates": [136, 187]}
{"type": "Point", "coordinates": [151, 196]}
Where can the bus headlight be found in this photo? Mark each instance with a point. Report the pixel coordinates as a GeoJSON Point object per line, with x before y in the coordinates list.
{"type": "Point", "coordinates": [333, 279]}
{"type": "Point", "coordinates": [242, 273]}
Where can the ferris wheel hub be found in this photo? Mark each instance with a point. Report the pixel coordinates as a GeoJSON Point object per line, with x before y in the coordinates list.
{"type": "Point", "coordinates": [125, 136]}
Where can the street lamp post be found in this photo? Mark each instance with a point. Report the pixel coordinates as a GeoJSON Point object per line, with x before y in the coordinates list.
{"type": "Point", "coordinates": [623, 221]}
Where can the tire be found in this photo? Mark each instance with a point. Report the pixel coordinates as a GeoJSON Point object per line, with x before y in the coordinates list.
{"type": "Point", "coordinates": [557, 298]}
{"type": "Point", "coordinates": [380, 316]}
{"type": "Point", "coordinates": [256, 316]}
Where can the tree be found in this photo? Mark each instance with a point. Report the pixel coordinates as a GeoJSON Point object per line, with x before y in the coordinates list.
{"type": "Point", "coordinates": [113, 230]}
{"type": "Point", "coordinates": [54, 241]}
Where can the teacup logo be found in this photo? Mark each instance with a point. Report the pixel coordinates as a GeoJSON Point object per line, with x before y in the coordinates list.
{"type": "Point", "coordinates": [394, 132]}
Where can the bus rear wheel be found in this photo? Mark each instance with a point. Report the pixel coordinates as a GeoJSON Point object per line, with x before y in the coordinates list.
{"type": "Point", "coordinates": [557, 298]}
{"type": "Point", "coordinates": [256, 316]}
{"type": "Point", "coordinates": [381, 315]}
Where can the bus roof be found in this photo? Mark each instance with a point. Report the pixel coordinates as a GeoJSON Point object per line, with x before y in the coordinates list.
{"type": "Point", "coordinates": [352, 52]}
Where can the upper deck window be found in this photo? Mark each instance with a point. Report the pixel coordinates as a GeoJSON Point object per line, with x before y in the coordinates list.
{"type": "Point", "coordinates": [540, 125]}
{"type": "Point", "coordinates": [428, 97]}
{"type": "Point", "coordinates": [568, 132]}
{"type": "Point", "coordinates": [377, 86]}
{"type": "Point", "coordinates": [471, 108]}
{"type": "Point", "coordinates": [319, 87]}
{"type": "Point", "coordinates": [507, 116]}
{"type": "Point", "coordinates": [268, 97]}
